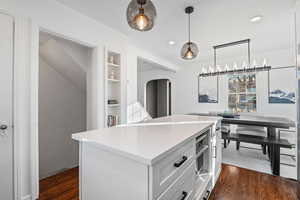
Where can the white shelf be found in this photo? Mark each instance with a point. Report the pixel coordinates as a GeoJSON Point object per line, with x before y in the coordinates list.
{"type": "Point", "coordinates": [204, 148]}
{"type": "Point", "coordinates": [113, 80]}
{"type": "Point", "coordinates": [113, 105]}
{"type": "Point", "coordinates": [113, 65]}
{"type": "Point", "coordinates": [113, 84]}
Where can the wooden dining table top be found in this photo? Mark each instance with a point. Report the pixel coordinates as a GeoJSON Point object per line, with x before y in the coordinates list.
{"type": "Point", "coordinates": [255, 120]}
{"type": "Point", "coordinates": [259, 120]}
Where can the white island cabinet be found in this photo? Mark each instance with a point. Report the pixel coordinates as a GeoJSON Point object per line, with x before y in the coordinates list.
{"type": "Point", "coordinates": [153, 161]}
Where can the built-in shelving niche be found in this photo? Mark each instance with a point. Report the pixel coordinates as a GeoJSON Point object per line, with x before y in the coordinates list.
{"type": "Point", "coordinates": [113, 104]}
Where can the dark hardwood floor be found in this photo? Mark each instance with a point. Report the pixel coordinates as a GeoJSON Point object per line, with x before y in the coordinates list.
{"type": "Point", "coordinates": [234, 184]}
{"type": "Point", "coordinates": [63, 186]}
{"type": "Point", "coordinates": [242, 184]}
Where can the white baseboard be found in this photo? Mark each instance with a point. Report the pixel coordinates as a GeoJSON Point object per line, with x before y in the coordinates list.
{"type": "Point", "coordinates": [46, 175]}
{"type": "Point", "coordinates": [27, 197]}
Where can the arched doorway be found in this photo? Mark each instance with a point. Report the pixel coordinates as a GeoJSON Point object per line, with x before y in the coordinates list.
{"type": "Point", "coordinates": [158, 98]}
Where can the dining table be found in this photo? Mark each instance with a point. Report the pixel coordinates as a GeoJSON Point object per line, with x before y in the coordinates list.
{"type": "Point", "coordinates": [271, 123]}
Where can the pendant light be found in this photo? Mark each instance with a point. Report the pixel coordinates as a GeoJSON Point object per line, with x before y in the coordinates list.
{"type": "Point", "coordinates": [189, 50]}
{"type": "Point", "coordinates": [141, 15]}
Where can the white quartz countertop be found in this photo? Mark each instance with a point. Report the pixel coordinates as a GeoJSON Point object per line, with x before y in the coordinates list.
{"type": "Point", "coordinates": [147, 143]}
{"type": "Point", "coordinates": [183, 119]}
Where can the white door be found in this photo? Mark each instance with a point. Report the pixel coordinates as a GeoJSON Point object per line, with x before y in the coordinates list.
{"type": "Point", "coordinates": [6, 132]}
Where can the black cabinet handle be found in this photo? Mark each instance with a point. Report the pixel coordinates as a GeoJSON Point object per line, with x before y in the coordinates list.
{"type": "Point", "coordinates": [184, 195]}
{"type": "Point", "coordinates": [3, 127]}
{"type": "Point", "coordinates": [207, 195]}
{"type": "Point", "coordinates": [179, 163]}
{"type": "Point", "coordinates": [215, 152]}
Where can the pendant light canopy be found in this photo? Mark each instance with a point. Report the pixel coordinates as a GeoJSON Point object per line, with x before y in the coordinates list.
{"type": "Point", "coordinates": [189, 50]}
{"type": "Point", "coordinates": [141, 15]}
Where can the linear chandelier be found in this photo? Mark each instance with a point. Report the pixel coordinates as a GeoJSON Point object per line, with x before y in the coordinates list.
{"type": "Point", "coordinates": [234, 70]}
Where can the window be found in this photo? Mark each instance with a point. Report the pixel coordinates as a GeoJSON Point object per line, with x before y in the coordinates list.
{"type": "Point", "coordinates": [242, 93]}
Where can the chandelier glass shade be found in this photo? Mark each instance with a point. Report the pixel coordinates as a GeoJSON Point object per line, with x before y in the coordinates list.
{"type": "Point", "coordinates": [141, 15]}
{"type": "Point", "coordinates": [190, 49]}
{"type": "Point", "coordinates": [245, 68]}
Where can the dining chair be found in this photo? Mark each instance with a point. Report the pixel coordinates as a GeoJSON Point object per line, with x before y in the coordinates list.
{"type": "Point", "coordinates": [290, 135]}
{"type": "Point", "coordinates": [251, 130]}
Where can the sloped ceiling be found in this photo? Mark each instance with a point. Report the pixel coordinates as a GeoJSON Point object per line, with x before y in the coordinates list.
{"type": "Point", "coordinates": [146, 65]}
{"type": "Point", "coordinates": [69, 59]}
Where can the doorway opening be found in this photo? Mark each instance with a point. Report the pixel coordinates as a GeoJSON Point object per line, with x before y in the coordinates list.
{"type": "Point", "coordinates": [62, 102]}
{"type": "Point", "coordinates": [155, 87]}
{"type": "Point", "coordinates": [158, 98]}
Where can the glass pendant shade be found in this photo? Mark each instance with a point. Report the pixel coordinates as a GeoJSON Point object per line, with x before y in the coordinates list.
{"type": "Point", "coordinates": [141, 15]}
{"type": "Point", "coordinates": [189, 51]}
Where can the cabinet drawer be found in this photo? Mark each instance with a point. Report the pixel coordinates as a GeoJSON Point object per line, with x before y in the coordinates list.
{"type": "Point", "coordinates": [206, 193]}
{"type": "Point", "coordinates": [182, 189]}
{"type": "Point", "coordinates": [171, 167]}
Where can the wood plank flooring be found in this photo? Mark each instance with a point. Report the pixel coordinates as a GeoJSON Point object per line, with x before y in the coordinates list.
{"type": "Point", "coordinates": [242, 184]}
{"type": "Point", "coordinates": [234, 184]}
{"type": "Point", "coordinates": [63, 186]}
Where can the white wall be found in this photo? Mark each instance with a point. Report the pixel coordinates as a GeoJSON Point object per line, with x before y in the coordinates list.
{"type": "Point", "coordinates": [298, 64]}
{"type": "Point", "coordinates": [133, 55]}
{"type": "Point", "coordinates": [50, 16]}
{"type": "Point", "coordinates": [62, 111]}
{"type": "Point", "coordinates": [185, 86]}
{"type": "Point", "coordinates": [185, 89]}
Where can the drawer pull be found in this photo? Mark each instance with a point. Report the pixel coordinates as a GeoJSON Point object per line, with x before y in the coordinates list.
{"type": "Point", "coordinates": [184, 195]}
{"type": "Point", "coordinates": [215, 152]}
{"type": "Point", "coordinates": [179, 163]}
{"type": "Point", "coordinates": [207, 195]}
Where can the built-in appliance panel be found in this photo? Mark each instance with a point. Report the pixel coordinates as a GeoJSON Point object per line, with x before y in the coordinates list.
{"type": "Point", "coordinates": [203, 152]}
{"type": "Point", "coordinates": [203, 157]}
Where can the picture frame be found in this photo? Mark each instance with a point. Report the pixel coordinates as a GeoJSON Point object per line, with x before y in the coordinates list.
{"type": "Point", "coordinates": [282, 91]}
{"type": "Point", "coordinates": [208, 89]}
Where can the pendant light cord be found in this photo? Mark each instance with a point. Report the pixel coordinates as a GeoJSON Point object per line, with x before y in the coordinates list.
{"type": "Point", "coordinates": [189, 28]}
{"type": "Point", "coordinates": [141, 3]}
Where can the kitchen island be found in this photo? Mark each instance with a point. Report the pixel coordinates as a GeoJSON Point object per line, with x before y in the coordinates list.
{"type": "Point", "coordinates": [170, 158]}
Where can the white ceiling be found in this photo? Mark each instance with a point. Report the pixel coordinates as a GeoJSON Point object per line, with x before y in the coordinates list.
{"type": "Point", "coordinates": [214, 22]}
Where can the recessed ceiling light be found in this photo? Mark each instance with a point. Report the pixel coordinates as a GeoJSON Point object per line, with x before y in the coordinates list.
{"type": "Point", "coordinates": [171, 42]}
{"type": "Point", "coordinates": [256, 18]}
